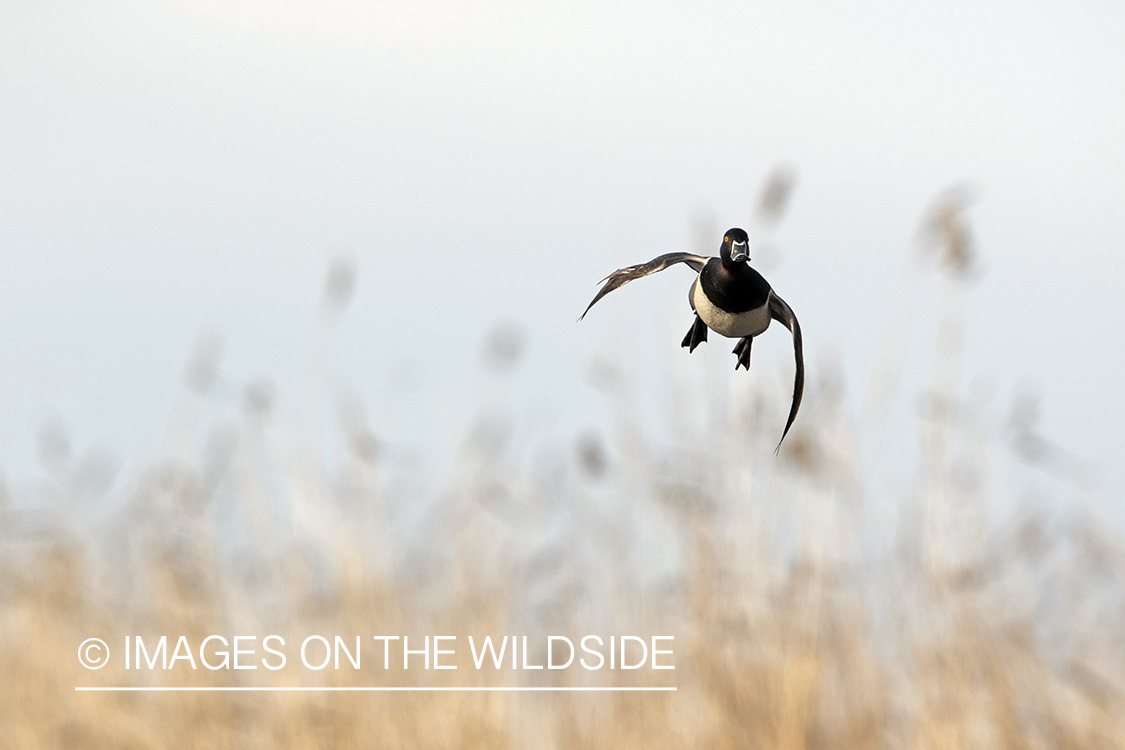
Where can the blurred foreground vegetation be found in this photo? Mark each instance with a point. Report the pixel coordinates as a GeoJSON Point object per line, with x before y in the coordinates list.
{"type": "Point", "coordinates": [793, 627]}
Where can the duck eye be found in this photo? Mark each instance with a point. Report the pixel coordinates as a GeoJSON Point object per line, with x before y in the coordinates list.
{"type": "Point", "coordinates": [726, 239]}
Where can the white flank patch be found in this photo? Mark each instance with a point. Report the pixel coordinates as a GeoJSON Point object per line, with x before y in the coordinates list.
{"type": "Point", "coordinates": [731, 325]}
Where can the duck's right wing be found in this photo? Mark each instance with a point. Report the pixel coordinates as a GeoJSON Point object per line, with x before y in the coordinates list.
{"type": "Point", "coordinates": [625, 275]}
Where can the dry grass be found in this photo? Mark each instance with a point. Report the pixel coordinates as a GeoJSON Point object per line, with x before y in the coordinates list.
{"type": "Point", "coordinates": [793, 629]}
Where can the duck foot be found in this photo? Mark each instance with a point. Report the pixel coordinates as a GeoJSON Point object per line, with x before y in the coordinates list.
{"type": "Point", "coordinates": [742, 349]}
{"type": "Point", "coordinates": [696, 336]}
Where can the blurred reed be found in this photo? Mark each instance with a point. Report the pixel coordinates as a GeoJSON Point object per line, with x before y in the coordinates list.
{"type": "Point", "coordinates": [793, 629]}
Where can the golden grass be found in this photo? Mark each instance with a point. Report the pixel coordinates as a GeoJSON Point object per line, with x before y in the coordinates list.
{"type": "Point", "coordinates": [790, 632]}
{"type": "Point", "coordinates": [775, 648]}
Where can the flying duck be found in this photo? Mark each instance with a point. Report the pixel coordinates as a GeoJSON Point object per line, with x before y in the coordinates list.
{"type": "Point", "coordinates": [730, 298]}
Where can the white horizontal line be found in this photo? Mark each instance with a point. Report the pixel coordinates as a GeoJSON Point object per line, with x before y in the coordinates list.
{"type": "Point", "coordinates": [371, 689]}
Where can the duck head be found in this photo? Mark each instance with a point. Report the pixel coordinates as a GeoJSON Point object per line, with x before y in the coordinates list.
{"type": "Point", "coordinates": [735, 247]}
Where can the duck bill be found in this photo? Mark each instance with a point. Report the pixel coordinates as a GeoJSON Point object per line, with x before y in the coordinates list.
{"type": "Point", "coordinates": [739, 253]}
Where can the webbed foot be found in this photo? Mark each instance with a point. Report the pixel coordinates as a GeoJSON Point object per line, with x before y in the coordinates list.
{"type": "Point", "coordinates": [696, 336]}
{"type": "Point", "coordinates": [742, 349]}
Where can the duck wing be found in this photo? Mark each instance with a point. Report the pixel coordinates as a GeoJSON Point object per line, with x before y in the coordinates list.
{"type": "Point", "coordinates": [623, 276]}
{"type": "Point", "coordinates": [783, 313]}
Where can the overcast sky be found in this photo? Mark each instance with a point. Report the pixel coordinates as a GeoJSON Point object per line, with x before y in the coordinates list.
{"type": "Point", "coordinates": [171, 168]}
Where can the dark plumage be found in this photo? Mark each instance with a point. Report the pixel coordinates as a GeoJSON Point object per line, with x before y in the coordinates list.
{"type": "Point", "coordinates": [728, 297]}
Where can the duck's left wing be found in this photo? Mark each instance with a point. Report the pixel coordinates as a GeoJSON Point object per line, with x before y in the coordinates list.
{"type": "Point", "coordinates": [783, 313]}
{"type": "Point", "coordinates": [623, 276]}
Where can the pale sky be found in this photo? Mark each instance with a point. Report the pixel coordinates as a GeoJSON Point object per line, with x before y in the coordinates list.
{"type": "Point", "coordinates": [170, 168]}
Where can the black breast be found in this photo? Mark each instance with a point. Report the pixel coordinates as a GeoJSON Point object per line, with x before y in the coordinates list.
{"type": "Point", "coordinates": [735, 288]}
